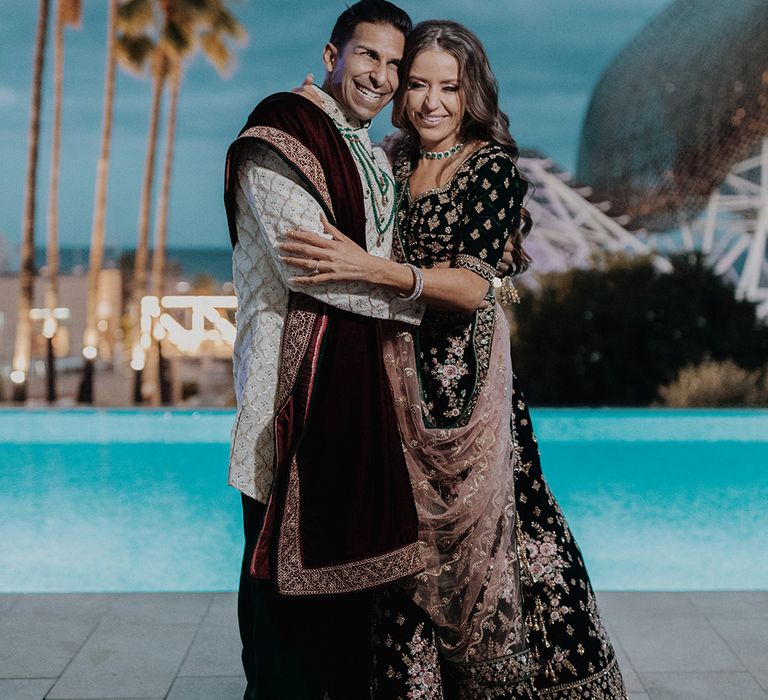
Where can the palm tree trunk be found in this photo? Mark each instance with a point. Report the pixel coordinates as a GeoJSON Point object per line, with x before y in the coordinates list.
{"type": "Point", "coordinates": [23, 347]}
{"type": "Point", "coordinates": [52, 243]}
{"type": "Point", "coordinates": [96, 255]}
{"type": "Point", "coordinates": [156, 383]}
{"type": "Point", "coordinates": [161, 221]}
{"type": "Point", "coordinates": [142, 244]}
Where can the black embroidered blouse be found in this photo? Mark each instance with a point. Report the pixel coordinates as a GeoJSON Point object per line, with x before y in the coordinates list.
{"type": "Point", "coordinates": [467, 222]}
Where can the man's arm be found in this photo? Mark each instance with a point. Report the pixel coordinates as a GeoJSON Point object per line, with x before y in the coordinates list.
{"type": "Point", "coordinates": [278, 201]}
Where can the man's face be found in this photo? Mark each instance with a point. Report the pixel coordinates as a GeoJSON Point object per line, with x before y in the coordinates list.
{"type": "Point", "coordinates": [363, 75]}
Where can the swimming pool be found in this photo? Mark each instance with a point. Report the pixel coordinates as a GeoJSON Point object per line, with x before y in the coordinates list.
{"type": "Point", "coordinates": [126, 500]}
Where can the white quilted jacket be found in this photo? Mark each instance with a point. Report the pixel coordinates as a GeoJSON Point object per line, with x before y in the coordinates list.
{"type": "Point", "coordinates": [270, 200]}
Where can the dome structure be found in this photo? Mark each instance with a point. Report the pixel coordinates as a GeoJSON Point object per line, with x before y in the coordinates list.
{"type": "Point", "coordinates": [679, 106]}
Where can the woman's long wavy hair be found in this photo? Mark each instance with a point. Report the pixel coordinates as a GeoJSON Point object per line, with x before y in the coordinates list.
{"type": "Point", "coordinates": [483, 119]}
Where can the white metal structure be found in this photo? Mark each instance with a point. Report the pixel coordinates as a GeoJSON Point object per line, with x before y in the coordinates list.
{"type": "Point", "coordinates": [733, 229]}
{"type": "Point", "coordinates": [569, 230]}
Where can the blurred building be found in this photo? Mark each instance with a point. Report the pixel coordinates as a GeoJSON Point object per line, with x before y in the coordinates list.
{"type": "Point", "coordinates": [676, 135]}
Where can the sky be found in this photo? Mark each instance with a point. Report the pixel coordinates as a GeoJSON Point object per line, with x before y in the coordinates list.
{"type": "Point", "coordinates": [547, 56]}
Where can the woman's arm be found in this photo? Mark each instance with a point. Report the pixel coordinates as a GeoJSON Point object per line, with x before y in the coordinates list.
{"type": "Point", "coordinates": [338, 258]}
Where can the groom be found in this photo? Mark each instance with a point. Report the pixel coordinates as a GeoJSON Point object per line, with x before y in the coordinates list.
{"type": "Point", "coordinates": [316, 452]}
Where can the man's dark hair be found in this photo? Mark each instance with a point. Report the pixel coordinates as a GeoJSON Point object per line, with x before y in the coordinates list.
{"type": "Point", "coordinates": [372, 11]}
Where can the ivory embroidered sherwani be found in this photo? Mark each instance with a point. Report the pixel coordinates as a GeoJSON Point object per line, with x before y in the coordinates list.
{"type": "Point", "coordinates": [316, 437]}
{"type": "Point", "coordinates": [271, 198]}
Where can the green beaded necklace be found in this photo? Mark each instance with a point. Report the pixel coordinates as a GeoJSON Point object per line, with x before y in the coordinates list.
{"type": "Point", "coordinates": [440, 155]}
{"type": "Point", "coordinates": [375, 178]}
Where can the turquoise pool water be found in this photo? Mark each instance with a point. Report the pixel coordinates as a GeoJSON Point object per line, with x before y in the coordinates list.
{"type": "Point", "coordinates": [135, 501]}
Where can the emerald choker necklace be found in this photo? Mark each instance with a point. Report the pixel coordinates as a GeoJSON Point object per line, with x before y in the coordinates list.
{"type": "Point", "coordinates": [441, 155]}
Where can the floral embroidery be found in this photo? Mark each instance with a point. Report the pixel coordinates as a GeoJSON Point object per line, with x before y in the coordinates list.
{"type": "Point", "coordinates": [504, 678]}
{"type": "Point", "coordinates": [547, 565]}
{"type": "Point", "coordinates": [566, 636]}
{"type": "Point", "coordinates": [423, 667]}
{"type": "Point", "coordinates": [454, 366]}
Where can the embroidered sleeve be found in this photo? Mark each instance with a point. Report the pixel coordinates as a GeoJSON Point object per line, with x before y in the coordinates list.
{"type": "Point", "coordinates": [277, 201]}
{"type": "Point", "coordinates": [490, 213]}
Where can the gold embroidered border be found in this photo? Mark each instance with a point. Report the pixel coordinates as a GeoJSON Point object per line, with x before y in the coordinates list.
{"type": "Point", "coordinates": [503, 674]}
{"type": "Point", "coordinates": [607, 684]}
{"type": "Point", "coordinates": [297, 331]}
{"type": "Point", "coordinates": [469, 262]}
{"type": "Point", "coordinates": [296, 153]}
{"type": "Point", "coordinates": [504, 677]}
{"type": "Point", "coordinates": [295, 580]}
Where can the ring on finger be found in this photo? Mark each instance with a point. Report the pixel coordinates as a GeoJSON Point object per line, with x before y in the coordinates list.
{"type": "Point", "coordinates": [317, 268]}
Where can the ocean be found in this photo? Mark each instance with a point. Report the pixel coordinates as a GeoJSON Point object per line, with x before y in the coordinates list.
{"type": "Point", "coordinates": [187, 263]}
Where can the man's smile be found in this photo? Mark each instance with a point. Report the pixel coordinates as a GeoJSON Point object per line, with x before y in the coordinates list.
{"type": "Point", "coordinates": [368, 94]}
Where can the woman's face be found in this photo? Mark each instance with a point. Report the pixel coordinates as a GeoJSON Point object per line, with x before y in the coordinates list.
{"type": "Point", "coordinates": [434, 99]}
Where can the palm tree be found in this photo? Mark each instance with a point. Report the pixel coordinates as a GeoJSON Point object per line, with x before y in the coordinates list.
{"type": "Point", "coordinates": [138, 52]}
{"type": "Point", "coordinates": [212, 24]}
{"type": "Point", "coordinates": [180, 28]}
{"type": "Point", "coordinates": [189, 26]}
{"type": "Point", "coordinates": [123, 18]}
{"type": "Point", "coordinates": [68, 12]}
{"type": "Point", "coordinates": [23, 346]}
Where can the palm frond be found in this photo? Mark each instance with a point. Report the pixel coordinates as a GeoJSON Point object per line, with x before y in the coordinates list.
{"type": "Point", "coordinates": [227, 23]}
{"type": "Point", "coordinates": [135, 17]}
{"type": "Point", "coordinates": [217, 53]}
{"type": "Point", "coordinates": [196, 6]}
{"type": "Point", "coordinates": [134, 52]}
{"type": "Point", "coordinates": [176, 38]}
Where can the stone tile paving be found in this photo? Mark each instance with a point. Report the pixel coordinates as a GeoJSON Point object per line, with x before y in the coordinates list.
{"type": "Point", "coordinates": [153, 646]}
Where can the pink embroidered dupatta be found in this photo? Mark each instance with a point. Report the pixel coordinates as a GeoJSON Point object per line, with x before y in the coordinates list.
{"type": "Point", "coordinates": [463, 487]}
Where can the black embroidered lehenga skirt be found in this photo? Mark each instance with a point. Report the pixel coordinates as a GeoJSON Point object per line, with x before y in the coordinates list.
{"type": "Point", "coordinates": [572, 657]}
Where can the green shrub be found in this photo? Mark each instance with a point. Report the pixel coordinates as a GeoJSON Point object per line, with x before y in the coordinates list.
{"type": "Point", "coordinates": [614, 334]}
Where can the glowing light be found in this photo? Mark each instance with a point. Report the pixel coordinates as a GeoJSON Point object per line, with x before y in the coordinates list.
{"type": "Point", "coordinates": [60, 313]}
{"type": "Point", "coordinates": [137, 359]}
{"type": "Point", "coordinates": [203, 323]}
{"type": "Point", "coordinates": [90, 352]}
{"type": "Point", "coordinates": [150, 305]}
{"type": "Point", "coordinates": [18, 376]}
{"type": "Point", "coordinates": [103, 309]}
{"type": "Point", "coordinates": [49, 327]}
{"type": "Point", "coordinates": [90, 337]}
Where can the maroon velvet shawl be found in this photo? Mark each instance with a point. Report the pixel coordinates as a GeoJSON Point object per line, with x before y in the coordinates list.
{"type": "Point", "coordinates": [341, 515]}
